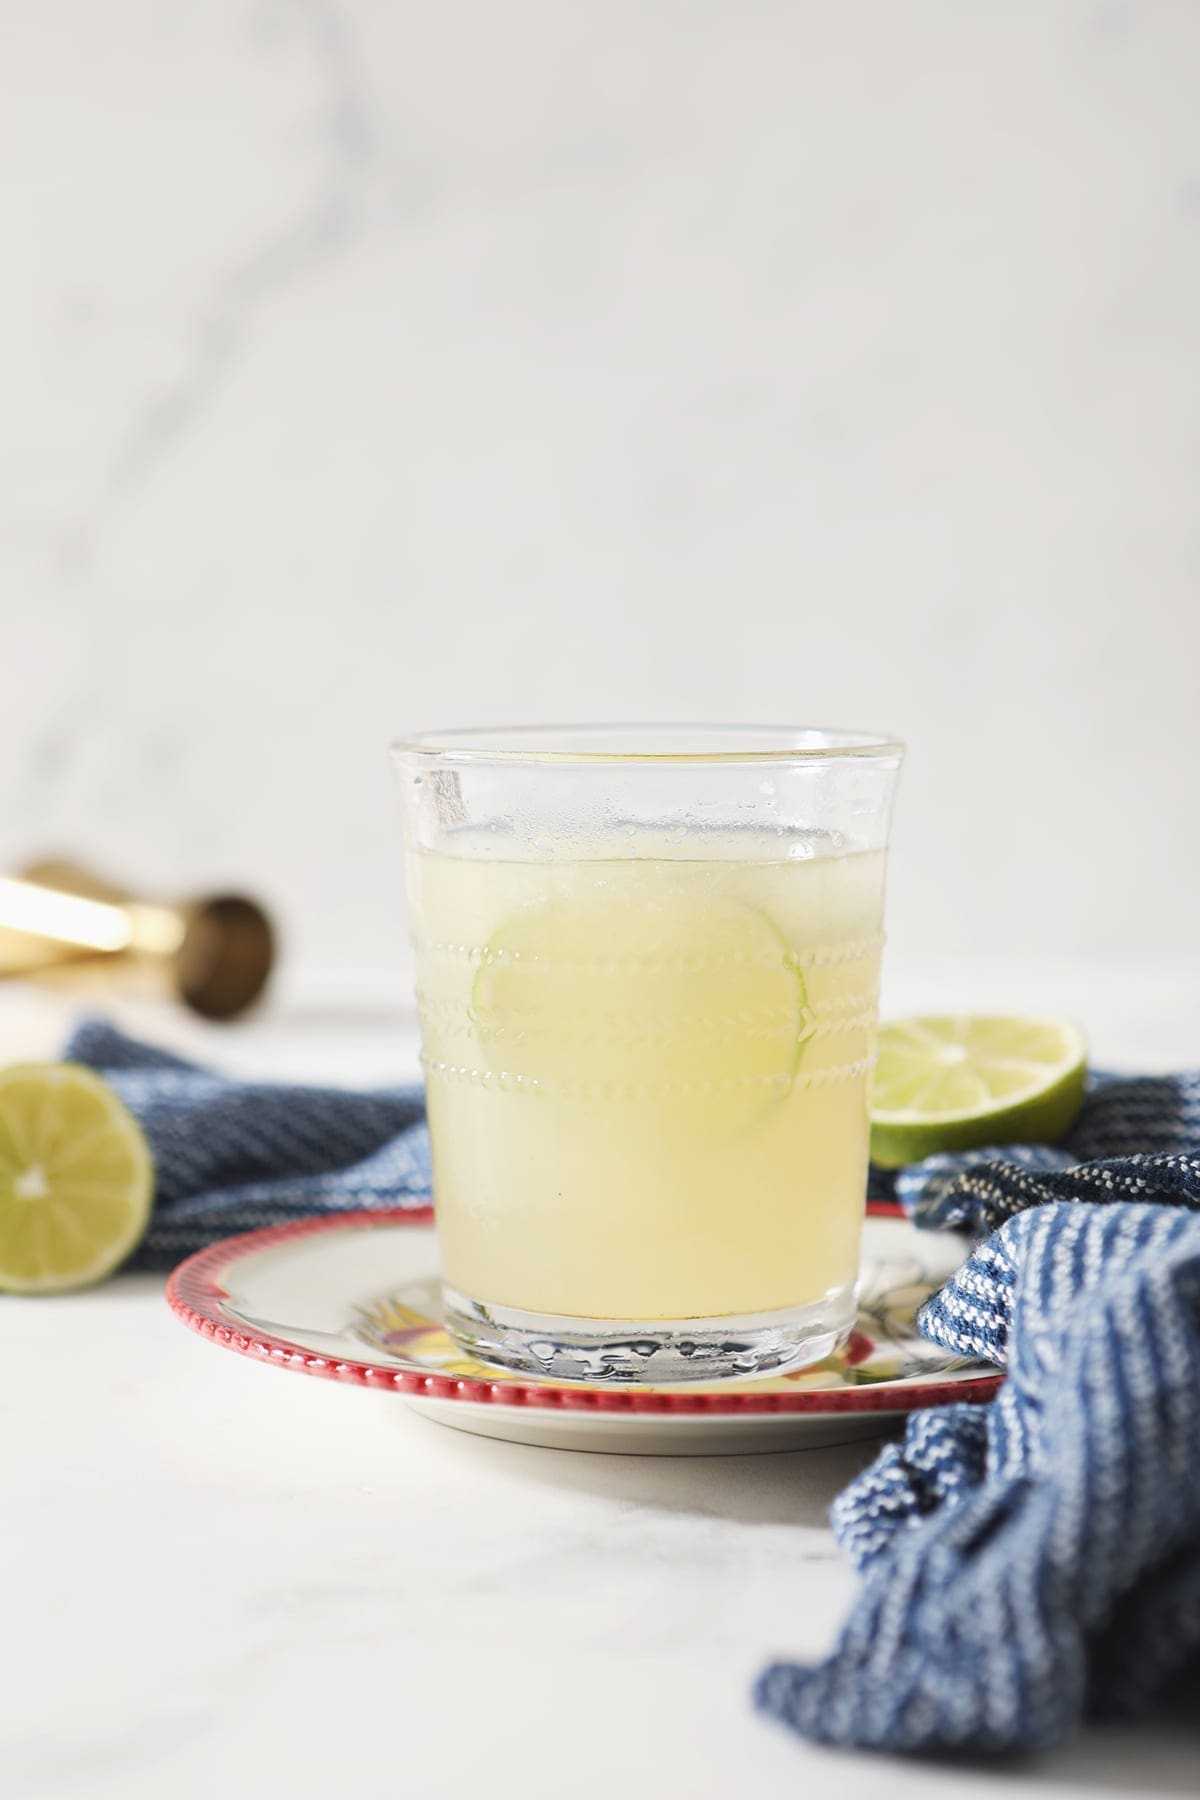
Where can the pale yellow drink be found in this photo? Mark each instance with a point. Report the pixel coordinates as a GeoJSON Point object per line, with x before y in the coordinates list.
{"type": "Point", "coordinates": [648, 1075]}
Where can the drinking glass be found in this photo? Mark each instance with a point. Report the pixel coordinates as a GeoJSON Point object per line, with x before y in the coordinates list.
{"type": "Point", "coordinates": [647, 965]}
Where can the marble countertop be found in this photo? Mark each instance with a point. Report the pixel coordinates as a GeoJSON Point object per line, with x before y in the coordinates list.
{"type": "Point", "coordinates": [219, 1576]}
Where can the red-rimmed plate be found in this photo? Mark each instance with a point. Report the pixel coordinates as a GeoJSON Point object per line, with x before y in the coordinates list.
{"type": "Point", "coordinates": [354, 1298]}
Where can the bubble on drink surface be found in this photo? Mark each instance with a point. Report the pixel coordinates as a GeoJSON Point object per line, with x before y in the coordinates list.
{"type": "Point", "coordinates": [807, 842]}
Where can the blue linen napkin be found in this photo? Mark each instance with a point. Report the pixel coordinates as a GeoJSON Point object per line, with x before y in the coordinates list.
{"type": "Point", "coordinates": [232, 1155]}
{"type": "Point", "coordinates": [1036, 1560]}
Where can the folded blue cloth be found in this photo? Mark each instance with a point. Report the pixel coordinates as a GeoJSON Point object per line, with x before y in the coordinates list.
{"type": "Point", "coordinates": [1036, 1560]}
{"type": "Point", "coordinates": [232, 1155]}
{"type": "Point", "coordinates": [1123, 1119]}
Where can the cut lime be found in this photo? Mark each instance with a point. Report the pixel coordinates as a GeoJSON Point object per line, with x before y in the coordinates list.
{"type": "Point", "coordinates": [953, 1084]}
{"type": "Point", "coordinates": [76, 1179]}
{"type": "Point", "coordinates": [659, 996]}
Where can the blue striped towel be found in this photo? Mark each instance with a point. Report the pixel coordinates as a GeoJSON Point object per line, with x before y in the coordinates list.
{"type": "Point", "coordinates": [1037, 1560]}
{"type": "Point", "coordinates": [232, 1155]}
{"type": "Point", "coordinates": [1024, 1563]}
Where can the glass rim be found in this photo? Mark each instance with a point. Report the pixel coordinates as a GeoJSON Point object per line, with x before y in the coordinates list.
{"type": "Point", "coordinates": [723, 744]}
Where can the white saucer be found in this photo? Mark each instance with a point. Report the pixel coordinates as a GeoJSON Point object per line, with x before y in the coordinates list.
{"type": "Point", "coordinates": [354, 1297]}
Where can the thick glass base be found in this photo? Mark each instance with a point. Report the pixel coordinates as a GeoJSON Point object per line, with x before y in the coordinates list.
{"type": "Point", "coordinates": [651, 1351]}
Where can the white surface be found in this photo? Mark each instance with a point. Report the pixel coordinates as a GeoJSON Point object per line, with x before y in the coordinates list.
{"type": "Point", "coordinates": [220, 1577]}
{"type": "Point", "coordinates": [375, 365]}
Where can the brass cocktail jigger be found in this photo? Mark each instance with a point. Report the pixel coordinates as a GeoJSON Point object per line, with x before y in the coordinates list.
{"type": "Point", "coordinates": [214, 954]}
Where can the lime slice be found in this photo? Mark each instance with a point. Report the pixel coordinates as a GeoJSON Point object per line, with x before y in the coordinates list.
{"type": "Point", "coordinates": [655, 996]}
{"type": "Point", "coordinates": [953, 1084]}
{"type": "Point", "coordinates": [76, 1179]}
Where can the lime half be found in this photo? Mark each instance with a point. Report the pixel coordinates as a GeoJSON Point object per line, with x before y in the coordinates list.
{"type": "Point", "coordinates": [76, 1179]}
{"type": "Point", "coordinates": [956, 1083]}
{"type": "Point", "coordinates": [667, 996]}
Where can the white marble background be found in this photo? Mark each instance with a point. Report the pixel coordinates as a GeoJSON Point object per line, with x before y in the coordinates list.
{"type": "Point", "coordinates": [366, 365]}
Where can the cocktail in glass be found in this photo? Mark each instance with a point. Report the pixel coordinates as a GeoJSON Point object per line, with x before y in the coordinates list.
{"type": "Point", "coordinates": [647, 966]}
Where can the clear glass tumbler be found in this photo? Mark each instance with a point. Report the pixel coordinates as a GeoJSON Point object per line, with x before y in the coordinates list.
{"type": "Point", "coordinates": [647, 963]}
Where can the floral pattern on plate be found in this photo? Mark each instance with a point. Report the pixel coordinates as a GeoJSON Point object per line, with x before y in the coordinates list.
{"type": "Point", "coordinates": [884, 1345]}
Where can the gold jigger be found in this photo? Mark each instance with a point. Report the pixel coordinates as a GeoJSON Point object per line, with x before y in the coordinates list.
{"type": "Point", "coordinates": [58, 920]}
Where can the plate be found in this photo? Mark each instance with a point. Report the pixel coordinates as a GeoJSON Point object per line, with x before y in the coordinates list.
{"type": "Point", "coordinates": [354, 1297]}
